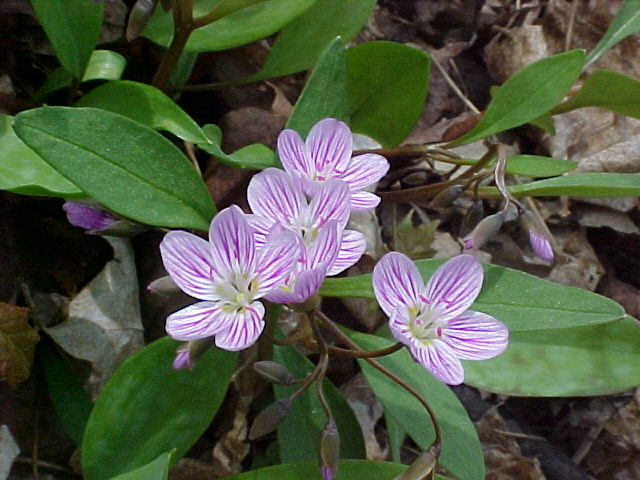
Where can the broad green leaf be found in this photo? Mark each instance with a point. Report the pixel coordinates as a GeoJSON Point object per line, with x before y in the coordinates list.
{"type": "Point", "coordinates": [144, 104]}
{"type": "Point", "coordinates": [625, 23]}
{"type": "Point", "coordinates": [520, 300]}
{"type": "Point", "coordinates": [238, 28]}
{"type": "Point", "coordinates": [325, 94]}
{"type": "Point", "coordinates": [568, 362]}
{"type": "Point", "coordinates": [156, 470]}
{"type": "Point", "coordinates": [298, 434]}
{"type": "Point", "coordinates": [23, 171]}
{"type": "Point", "coordinates": [300, 43]}
{"type": "Point", "coordinates": [534, 166]}
{"type": "Point", "coordinates": [544, 122]}
{"type": "Point", "coordinates": [347, 470]}
{"type": "Point", "coordinates": [395, 435]}
{"type": "Point", "coordinates": [606, 89]}
{"type": "Point", "coordinates": [73, 27]}
{"type": "Point", "coordinates": [148, 408]}
{"type": "Point", "coordinates": [387, 86]}
{"type": "Point", "coordinates": [255, 156]}
{"type": "Point", "coordinates": [461, 453]}
{"type": "Point", "coordinates": [124, 165]}
{"type": "Point", "coordinates": [103, 65]}
{"type": "Point", "coordinates": [531, 92]}
{"type": "Point", "coordinates": [70, 401]}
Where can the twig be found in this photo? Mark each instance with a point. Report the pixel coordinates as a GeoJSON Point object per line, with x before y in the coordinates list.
{"type": "Point", "coordinates": [453, 86]}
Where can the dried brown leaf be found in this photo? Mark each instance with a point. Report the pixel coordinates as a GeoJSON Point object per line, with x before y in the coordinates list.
{"type": "Point", "coordinates": [17, 340]}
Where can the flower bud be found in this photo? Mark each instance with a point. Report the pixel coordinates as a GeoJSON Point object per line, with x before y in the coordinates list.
{"type": "Point", "coordinates": [329, 451]}
{"type": "Point", "coordinates": [485, 230]}
{"type": "Point", "coordinates": [87, 216]}
{"type": "Point", "coordinates": [163, 286]}
{"type": "Point", "coordinates": [446, 197]}
{"type": "Point", "coordinates": [538, 236]}
{"type": "Point", "coordinates": [421, 466]}
{"type": "Point", "coordinates": [269, 418]}
{"type": "Point", "coordinates": [274, 372]}
{"type": "Point", "coordinates": [188, 353]}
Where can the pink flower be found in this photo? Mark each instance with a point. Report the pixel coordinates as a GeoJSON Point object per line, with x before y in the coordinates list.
{"type": "Point", "coordinates": [433, 321]}
{"type": "Point", "coordinates": [326, 155]}
{"type": "Point", "coordinates": [228, 274]}
{"type": "Point", "coordinates": [540, 245]}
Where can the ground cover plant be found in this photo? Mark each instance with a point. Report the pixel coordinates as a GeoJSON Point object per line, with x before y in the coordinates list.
{"type": "Point", "coordinates": [264, 239]}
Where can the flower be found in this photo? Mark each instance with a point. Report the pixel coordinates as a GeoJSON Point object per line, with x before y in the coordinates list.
{"type": "Point", "coordinates": [88, 217]}
{"type": "Point", "coordinates": [433, 320]}
{"type": "Point", "coordinates": [228, 274]}
{"type": "Point", "coordinates": [540, 245]}
{"type": "Point", "coordinates": [326, 155]}
{"type": "Point", "coordinates": [278, 202]}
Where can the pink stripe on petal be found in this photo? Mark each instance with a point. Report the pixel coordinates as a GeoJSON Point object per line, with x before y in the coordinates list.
{"type": "Point", "coordinates": [441, 361]}
{"type": "Point", "coordinates": [325, 246]}
{"type": "Point", "coordinates": [187, 259]}
{"type": "Point", "coordinates": [331, 203]}
{"type": "Point", "coordinates": [273, 194]}
{"type": "Point", "coordinates": [243, 329]}
{"type": "Point", "coordinates": [351, 249]}
{"type": "Point", "coordinates": [293, 154]}
{"type": "Point", "coordinates": [276, 261]}
{"type": "Point", "coordinates": [396, 281]}
{"type": "Point", "coordinates": [200, 320]}
{"type": "Point", "coordinates": [329, 143]}
{"type": "Point", "coordinates": [365, 170]}
{"type": "Point", "coordinates": [455, 285]}
{"type": "Point", "coordinates": [399, 325]}
{"type": "Point", "coordinates": [261, 228]}
{"type": "Point", "coordinates": [476, 336]}
{"type": "Point", "coordinates": [306, 284]}
{"type": "Point", "coordinates": [232, 242]}
{"type": "Point", "coordinates": [361, 201]}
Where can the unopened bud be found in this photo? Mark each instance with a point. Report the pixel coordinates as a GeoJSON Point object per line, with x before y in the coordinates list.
{"type": "Point", "coordinates": [473, 216]}
{"type": "Point", "coordinates": [446, 197]}
{"type": "Point", "coordinates": [274, 372]}
{"type": "Point", "coordinates": [87, 216]}
{"type": "Point", "coordinates": [421, 466]}
{"type": "Point", "coordinates": [329, 451]}
{"type": "Point", "coordinates": [188, 353]}
{"type": "Point", "coordinates": [269, 418]}
{"type": "Point", "coordinates": [484, 231]}
{"type": "Point", "coordinates": [538, 236]}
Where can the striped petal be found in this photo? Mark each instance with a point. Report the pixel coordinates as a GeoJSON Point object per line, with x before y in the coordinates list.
{"type": "Point", "coordinates": [261, 228]}
{"type": "Point", "coordinates": [200, 320]}
{"type": "Point", "coordinates": [329, 143]}
{"type": "Point", "coordinates": [364, 201]}
{"type": "Point", "coordinates": [243, 328]}
{"type": "Point", "coordinates": [325, 247]}
{"type": "Point", "coordinates": [293, 154]}
{"type": "Point", "coordinates": [541, 246]}
{"type": "Point", "coordinates": [454, 286]}
{"type": "Point", "coordinates": [365, 170]}
{"type": "Point", "coordinates": [396, 281]}
{"type": "Point", "coordinates": [351, 249]}
{"type": "Point", "coordinates": [187, 259]}
{"type": "Point", "coordinates": [276, 261]}
{"type": "Point", "coordinates": [232, 242]}
{"type": "Point", "coordinates": [273, 194]}
{"type": "Point", "coordinates": [476, 336]}
{"type": "Point", "coordinates": [305, 284]}
{"type": "Point", "coordinates": [331, 203]}
{"type": "Point", "coordinates": [441, 361]}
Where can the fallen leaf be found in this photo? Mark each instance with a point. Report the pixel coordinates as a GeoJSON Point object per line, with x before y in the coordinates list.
{"type": "Point", "coordinates": [17, 340]}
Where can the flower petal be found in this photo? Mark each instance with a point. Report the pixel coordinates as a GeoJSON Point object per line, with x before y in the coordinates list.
{"type": "Point", "coordinates": [541, 246]}
{"type": "Point", "coordinates": [396, 281]}
{"type": "Point", "coordinates": [365, 170]}
{"type": "Point", "coordinates": [329, 143]}
{"type": "Point", "coordinates": [276, 260]}
{"type": "Point", "coordinates": [325, 246]}
{"type": "Point", "coordinates": [399, 325]}
{"type": "Point", "coordinates": [306, 284]}
{"type": "Point", "coordinates": [273, 194]}
{"type": "Point", "coordinates": [293, 154]}
{"type": "Point", "coordinates": [232, 242]}
{"type": "Point", "coordinates": [441, 361]}
{"type": "Point", "coordinates": [476, 336]}
{"type": "Point", "coordinates": [331, 203]}
{"type": "Point", "coordinates": [351, 249]}
{"type": "Point", "coordinates": [243, 329]}
{"type": "Point", "coordinates": [261, 228]}
{"type": "Point", "coordinates": [200, 320]}
{"type": "Point", "coordinates": [455, 285]}
{"type": "Point", "coordinates": [364, 201]}
{"type": "Point", "coordinates": [187, 259]}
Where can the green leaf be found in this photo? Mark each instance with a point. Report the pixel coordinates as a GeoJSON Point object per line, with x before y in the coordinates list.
{"type": "Point", "coordinates": [531, 92]}
{"type": "Point", "coordinates": [255, 156]}
{"type": "Point", "coordinates": [156, 470]}
{"type": "Point", "coordinates": [103, 65]}
{"type": "Point", "coordinates": [325, 94]}
{"type": "Point", "coordinates": [127, 167]}
{"type": "Point", "coordinates": [144, 104]}
{"type": "Point", "coordinates": [625, 23]}
{"type": "Point", "coordinates": [606, 89]}
{"type": "Point", "coordinates": [348, 470]}
{"type": "Point", "coordinates": [520, 300]}
{"type": "Point", "coordinates": [395, 435]}
{"type": "Point", "coordinates": [298, 434]}
{"type": "Point", "coordinates": [238, 28]}
{"type": "Point", "coordinates": [588, 360]}
{"type": "Point", "coordinates": [300, 43]}
{"type": "Point", "coordinates": [70, 401]}
{"type": "Point", "coordinates": [387, 86]}
{"type": "Point", "coordinates": [461, 453]}
{"type": "Point", "coordinates": [536, 166]}
{"type": "Point", "coordinates": [73, 27]}
{"type": "Point", "coordinates": [148, 408]}
{"type": "Point", "coordinates": [23, 171]}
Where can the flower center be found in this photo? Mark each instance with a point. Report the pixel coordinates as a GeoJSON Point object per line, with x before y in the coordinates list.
{"type": "Point", "coordinates": [237, 291]}
{"type": "Point", "coordinates": [424, 322]}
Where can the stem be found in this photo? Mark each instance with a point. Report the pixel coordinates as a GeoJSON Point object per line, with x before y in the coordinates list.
{"type": "Point", "coordinates": [326, 321]}
{"type": "Point", "coordinates": [324, 362]}
{"type": "Point", "coordinates": [182, 27]}
{"type": "Point", "coordinates": [346, 352]}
